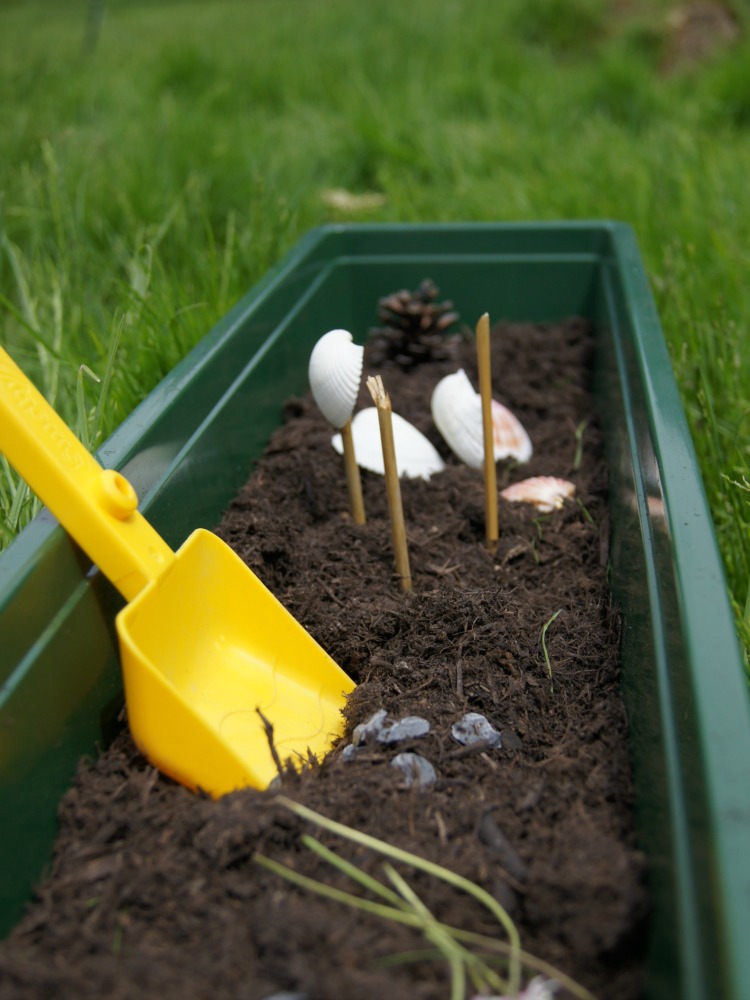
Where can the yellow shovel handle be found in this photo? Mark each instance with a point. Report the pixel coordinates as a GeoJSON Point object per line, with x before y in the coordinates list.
{"type": "Point", "coordinates": [97, 506]}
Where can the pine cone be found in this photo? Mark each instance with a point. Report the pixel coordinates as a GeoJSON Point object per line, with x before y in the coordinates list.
{"type": "Point", "coordinates": [414, 328]}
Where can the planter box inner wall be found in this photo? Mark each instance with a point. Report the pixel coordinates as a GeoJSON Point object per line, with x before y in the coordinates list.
{"type": "Point", "coordinates": [189, 446]}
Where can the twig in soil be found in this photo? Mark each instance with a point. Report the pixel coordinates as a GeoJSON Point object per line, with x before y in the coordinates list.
{"type": "Point", "coordinates": [546, 653]}
{"type": "Point", "coordinates": [419, 687]}
{"type": "Point", "coordinates": [334, 598]}
{"type": "Point", "coordinates": [152, 776]}
{"type": "Point", "coordinates": [268, 727]}
{"type": "Point", "coordinates": [442, 829]}
{"type": "Point", "coordinates": [491, 532]}
{"type": "Point", "coordinates": [393, 489]}
{"type": "Point", "coordinates": [445, 570]}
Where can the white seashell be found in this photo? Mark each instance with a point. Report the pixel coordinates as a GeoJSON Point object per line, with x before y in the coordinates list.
{"type": "Point", "coordinates": [509, 435]}
{"type": "Point", "coordinates": [457, 412]}
{"type": "Point", "coordinates": [546, 492]}
{"type": "Point", "coordinates": [335, 372]}
{"type": "Point", "coordinates": [415, 455]}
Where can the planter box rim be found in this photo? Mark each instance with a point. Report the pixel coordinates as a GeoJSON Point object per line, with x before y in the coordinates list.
{"type": "Point", "coordinates": [180, 442]}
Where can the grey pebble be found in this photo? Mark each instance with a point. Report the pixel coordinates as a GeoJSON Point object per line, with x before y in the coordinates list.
{"type": "Point", "coordinates": [370, 728]}
{"type": "Point", "coordinates": [405, 729]}
{"type": "Point", "coordinates": [474, 728]}
{"type": "Point", "coordinates": [287, 996]}
{"type": "Point", "coordinates": [376, 728]}
{"type": "Point", "coordinates": [416, 769]}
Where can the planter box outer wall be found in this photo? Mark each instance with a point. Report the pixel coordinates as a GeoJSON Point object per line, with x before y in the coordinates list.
{"type": "Point", "coordinates": [189, 446]}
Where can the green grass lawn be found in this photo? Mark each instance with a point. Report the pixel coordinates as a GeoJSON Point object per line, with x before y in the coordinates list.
{"type": "Point", "coordinates": [148, 180]}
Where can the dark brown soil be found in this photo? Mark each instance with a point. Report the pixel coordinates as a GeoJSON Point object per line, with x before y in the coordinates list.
{"type": "Point", "coordinates": [154, 892]}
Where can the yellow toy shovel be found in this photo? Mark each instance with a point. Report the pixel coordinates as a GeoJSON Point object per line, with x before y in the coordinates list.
{"type": "Point", "coordinates": [203, 642]}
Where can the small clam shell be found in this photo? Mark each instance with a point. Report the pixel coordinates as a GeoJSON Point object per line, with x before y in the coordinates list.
{"type": "Point", "coordinates": [546, 492]}
{"type": "Point", "coordinates": [457, 412]}
{"type": "Point", "coordinates": [509, 434]}
{"type": "Point", "coordinates": [335, 372]}
{"type": "Point", "coordinates": [415, 455]}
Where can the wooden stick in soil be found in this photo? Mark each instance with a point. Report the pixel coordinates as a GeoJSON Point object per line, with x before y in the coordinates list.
{"type": "Point", "coordinates": [353, 480]}
{"type": "Point", "coordinates": [393, 489]}
{"type": "Point", "coordinates": [491, 531]}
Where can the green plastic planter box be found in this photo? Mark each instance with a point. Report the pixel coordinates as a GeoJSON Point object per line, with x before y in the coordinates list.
{"type": "Point", "coordinates": [190, 445]}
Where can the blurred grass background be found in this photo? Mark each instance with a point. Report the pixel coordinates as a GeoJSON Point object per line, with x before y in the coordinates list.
{"type": "Point", "coordinates": [157, 157]}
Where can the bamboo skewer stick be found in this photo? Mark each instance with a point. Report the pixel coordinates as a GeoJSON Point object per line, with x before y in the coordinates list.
{"type": "Point", "coordinates": [393, 489]}
{"type": "Point", "coordinates": [353, 479]}
{"type": "Point", "coordinates": [491, 530]}
{"type": "Point", "coordinates": [335, 375]}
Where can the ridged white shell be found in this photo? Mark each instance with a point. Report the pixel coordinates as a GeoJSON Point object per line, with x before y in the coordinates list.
{"type": "Point", "coordinates": [457, 412]}
{"type": "Point", "coordinates": [415, 455]}
{"type": "Point", "coordinates": [546, 492]}
{"type": "Point", "coordinates": [335, 372]}
{"type": "Point", "coordinates": [509, 434]}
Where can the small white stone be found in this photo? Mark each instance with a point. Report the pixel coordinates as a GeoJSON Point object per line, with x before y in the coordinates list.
{"type": "Point", "coordinates": [474, 728]}
{"type": "Point", "coordinates": [366, 730]}
{"type": "Point", "coordinates": [408, 728]}
{"type": "Point", "coordinates": [417, 770]}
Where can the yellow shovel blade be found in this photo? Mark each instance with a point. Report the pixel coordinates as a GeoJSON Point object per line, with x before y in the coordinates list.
{"type": "Point", "coordinates": [204, 643]}
{"type": "Point", "coordinates": [204, 646]}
